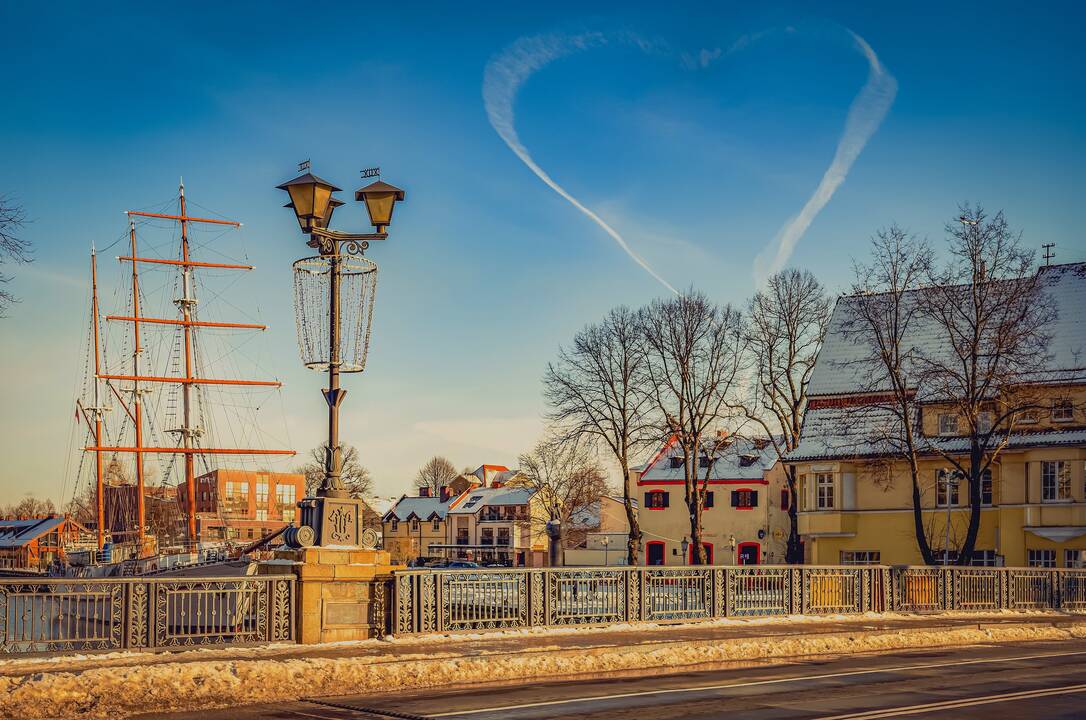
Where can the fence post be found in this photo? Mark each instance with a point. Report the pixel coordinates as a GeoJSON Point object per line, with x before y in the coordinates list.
{"type": "Point", "coordinates": [720, 592]}
{"type": "Point", "coordinates": [1054, 583]}
{"type": "Point", "coordinates": [538, 592]}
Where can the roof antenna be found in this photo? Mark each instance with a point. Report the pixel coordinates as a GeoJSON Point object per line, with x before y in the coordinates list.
{"type": "Point", "coordinates": [1048, 253]}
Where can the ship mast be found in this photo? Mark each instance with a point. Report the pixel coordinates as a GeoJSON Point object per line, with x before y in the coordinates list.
{"type": "Point", "coordinates": [188, 431]}
{"type": "Point", "coordinates": [137, 399]}
{"type": "Point", "coordinates": [98, 409]}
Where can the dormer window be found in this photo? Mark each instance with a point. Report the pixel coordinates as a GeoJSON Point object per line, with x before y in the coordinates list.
{"type": "Point", "coordinates": [676, 461]}
{"type": "Point", "coordinates": [704, 461]}
{"type": "Point", "coordinates": [1063, 410]}
{"type": "Point", "coordinates": [747, 460]}
{"type": "Point", "coordinates": [948, 424]}
{"type": "Point", "coordinates": [984, 422]}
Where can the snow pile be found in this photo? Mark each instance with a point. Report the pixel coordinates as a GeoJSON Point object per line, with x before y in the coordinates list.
{"type": "Point", "coordinates": [101, 692]}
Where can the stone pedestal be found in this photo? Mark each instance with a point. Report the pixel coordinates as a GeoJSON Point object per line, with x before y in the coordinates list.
{"type": "Point", "coordinates": [342, 593]}
{"type": "Point", "coordinates": [336, 521]}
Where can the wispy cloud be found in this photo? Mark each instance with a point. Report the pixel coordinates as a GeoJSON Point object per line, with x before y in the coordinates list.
{"type": "Point", "coordinates": [510, 69]}
{"type": "Point", "coordinates": [502, 79]}
{"type": "Point", "coordinates": [864, 117]}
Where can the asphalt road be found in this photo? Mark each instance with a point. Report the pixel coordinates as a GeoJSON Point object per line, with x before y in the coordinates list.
{"type": "Point", "coordinates": [1040, 680]}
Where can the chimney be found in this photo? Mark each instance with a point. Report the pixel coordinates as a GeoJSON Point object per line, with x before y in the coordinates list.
{"type": "Point", "coordinates": [443, 493]}
{"type": "Point", "coordinates": [424, 492]}
{"type": "Point", "coordinates": [722, 433]}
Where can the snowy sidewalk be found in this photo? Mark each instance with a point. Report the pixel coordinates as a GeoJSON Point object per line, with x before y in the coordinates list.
{"type": "Point", "coordinates": [117, 684]}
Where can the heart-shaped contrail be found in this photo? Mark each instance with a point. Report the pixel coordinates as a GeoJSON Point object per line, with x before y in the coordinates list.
{"type": "Point", "coordinates": [508, 71]}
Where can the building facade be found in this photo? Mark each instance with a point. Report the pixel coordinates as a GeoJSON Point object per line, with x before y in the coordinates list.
{"type": "Point", "coordinates": [745, 517]}
{"type": "Point", "coordinates": [856, 497]}
{"type": "Point", "coordinates": [494, 526]}
{"type": "Point", "coordinates": [244, 505]}
{"type": "Point", "coordinates": [413, 524]}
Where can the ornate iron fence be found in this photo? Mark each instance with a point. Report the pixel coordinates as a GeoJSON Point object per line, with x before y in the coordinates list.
{"type": "Point", "coordinates": [454, 600]}
{"type": "Point", "coordinates": [54, 614]}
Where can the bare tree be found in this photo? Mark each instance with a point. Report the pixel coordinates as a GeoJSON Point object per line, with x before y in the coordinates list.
{"type": "Point", "coordinates": [436, 473]}
{"type": "Point", "coordinates": [12, 248]}
{"type": "Point", "coordinates": [881, 318]}
{"type": "Point", "coordinates": [694, 354]}
{"type": "Point", "coordinates": [356, 476]}
{"type": "Point", "coordinates": [785, 325]}
{"type": "Point", "coordinates": [567, 481]}
{"type": "Point", "coordinates": [30, 507]}
{"type": "Point", "coordinates": [596, 392]}
{"type": "Point", "coordinates": [987, 310]}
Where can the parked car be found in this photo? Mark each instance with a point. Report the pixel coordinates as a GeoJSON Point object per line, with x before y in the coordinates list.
{"type": "Point", "coordinates": [462, 564]}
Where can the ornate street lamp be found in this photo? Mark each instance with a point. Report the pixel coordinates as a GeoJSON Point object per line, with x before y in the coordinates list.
{"type": "Point", "coordinates": [334, 295]}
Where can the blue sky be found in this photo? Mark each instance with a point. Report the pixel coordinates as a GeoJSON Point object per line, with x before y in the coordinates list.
{"type": "Point", "coordinates": [488, 270]}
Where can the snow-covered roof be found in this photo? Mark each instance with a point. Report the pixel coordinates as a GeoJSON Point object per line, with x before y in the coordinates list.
{"type": "Point", "coordinates": [474, 500]}
{"type": "Point", "coordinates": [744, 459]}
{"type": "Point", "coordinates": [380, 505]}
{"type": "Point", "coordinates": [839, 433]}
{"type": "Point", "coordinates": [421, 507]}
{"type": "Point", "coordinates": [16, 533]}
{"type": "Point", "coordinates": [841, 367]}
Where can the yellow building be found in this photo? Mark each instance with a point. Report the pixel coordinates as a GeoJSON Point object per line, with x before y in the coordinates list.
{"type": "Point", "coordinates": [856, 497]}
{"type": "Point", "coordinates": [745, 519]}
{"type": "Point", "coordinates": [412, 525]}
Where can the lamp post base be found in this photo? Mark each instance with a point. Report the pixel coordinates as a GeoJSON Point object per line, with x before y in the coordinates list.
{"type": "Point", "coordinates": [335, 521]}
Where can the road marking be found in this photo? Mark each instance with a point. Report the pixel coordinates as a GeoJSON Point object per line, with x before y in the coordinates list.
{"type": "Point", "coordinates": [772, 681]}
{"type": "Point", "coordinates": [955, 704]}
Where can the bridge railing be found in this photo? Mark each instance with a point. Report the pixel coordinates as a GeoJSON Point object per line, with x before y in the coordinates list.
{"type": "Point", "coordinates": [77, 614]}
{"type": "Point", "coordinates": [428, 600]}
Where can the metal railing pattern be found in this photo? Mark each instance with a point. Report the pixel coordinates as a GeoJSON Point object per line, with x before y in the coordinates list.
{"type": "Point", "coordinates": [66, 614]}
{"type": "Point", "coordinates": [428, 600]}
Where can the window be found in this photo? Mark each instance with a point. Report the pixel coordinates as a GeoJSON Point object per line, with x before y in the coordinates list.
{"type": "Point", "coordinates": [394, 525]}
{"type": "Point", "coordinates": [656, 499]}
{"type": "Point", "coordinates": [1042, 558]}
{"type": "Point", "coordinates": [286, 496]}
{"type": "Point", "coordinates": [437, 525]}
{"type": "Point", "coordinates": [744, 499]}
{"type": "Point", "coordinates": [946, 488]}
{"type": "Point", "coordinates": [984, 558]}
{"type": "Point", "coordinates": [948, 424]}
{"type": "Point", "coordinates": [1074, 558]}
{"type": "Point", "coordinates": [704, 461]}
{"type": "Point", "coordinates": [1028, 417]}
{"type": "Point", "coordinates": [824, 491]}
{"type": "Point", "coordinates": [414, 525]}
{"type": "Point", "coordinates": [1063, 410]}
{"type": "Point", "coordinates": [785, 499]}
{"type": "Point", "coordinates": [747, 460]}
{"type": "Point", "coordinates": [984, 422]}
{"type": "Point", "coordinates": [262, 492]}
{"type": "Point", "coordinates": [486, 536]}
{"type": "Point", "coordinates": [676, 462]}
{"type": "Point", "coordinates": [473, 500]}
{"type": "Point", "coordinates": [503, 536]}
{"type": "Point", "coordinates": [708, 499]}
{"type": "Point", "coordinates": [1055, 481]}
{"type": "Point", "coordinates": [860, 557]}
{"type": "Point", "coordinates": [986, 487]}
{"type": "Point", "coordinates": [262, 513]}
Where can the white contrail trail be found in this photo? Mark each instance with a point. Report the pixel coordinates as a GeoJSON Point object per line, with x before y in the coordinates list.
{"type": "Point", "coordinates": [507, 72]}
{"type": "Point", "coordinates": [503, 77]}
{"type": "Point", "coordinates": [864, 117]}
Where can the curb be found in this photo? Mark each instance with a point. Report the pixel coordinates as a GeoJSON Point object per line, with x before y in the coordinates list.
{"type": "Point", "coordinates": [172, 687]}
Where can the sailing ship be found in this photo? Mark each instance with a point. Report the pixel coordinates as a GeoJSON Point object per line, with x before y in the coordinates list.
{"type": "Point", "coordinates": [148, 396]}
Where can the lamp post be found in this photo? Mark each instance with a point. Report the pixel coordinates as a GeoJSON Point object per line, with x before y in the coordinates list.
{"type": "Point", "coordinates": [685, 544]}
{"type": "Point", "coordinates": [334, 335]}
{"type": "Point", "coordinates": [606, 542]}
